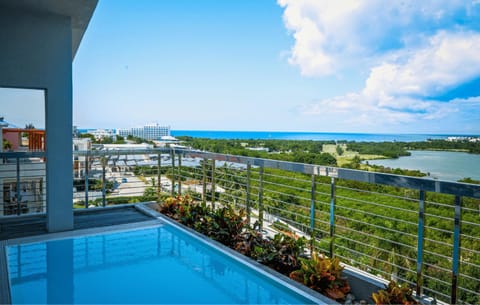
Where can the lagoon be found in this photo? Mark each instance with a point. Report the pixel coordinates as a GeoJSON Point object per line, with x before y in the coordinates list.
{"type": "Point", "coordinates": [443, 165]}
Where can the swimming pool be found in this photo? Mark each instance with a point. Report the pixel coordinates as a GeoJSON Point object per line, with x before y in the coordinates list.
{"type": "Point", "coordinates": [161, 264]}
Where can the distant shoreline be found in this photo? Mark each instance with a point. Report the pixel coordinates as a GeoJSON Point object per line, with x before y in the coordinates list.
{"type": "Point", "coordinates": [313, 136]}
{"type": "Point", "coordinates": [309, 135]}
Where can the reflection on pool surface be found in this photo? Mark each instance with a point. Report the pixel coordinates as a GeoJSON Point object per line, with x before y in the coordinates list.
{"type": "Point", "coordinates": [154, 265]}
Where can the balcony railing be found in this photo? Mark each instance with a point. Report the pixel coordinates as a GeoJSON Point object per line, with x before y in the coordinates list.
{"type": "Point", "coordinates": [419, 231]}
{"type": "Point", "coordinates": [22, 183]}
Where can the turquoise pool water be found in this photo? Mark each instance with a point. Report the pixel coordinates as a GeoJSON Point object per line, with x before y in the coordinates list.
{"type": "Point", "coordinates": [159, 265]}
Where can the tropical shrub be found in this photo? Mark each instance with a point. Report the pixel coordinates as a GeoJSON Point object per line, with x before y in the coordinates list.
{"type": "Point", "coordinates": [222, 224]}
{"type": "Point", "coordinates": [323, 275]}
{"type": "Point", "coordinates": [286, 253]}
{"type": "Point", "coordinates": [226, 225]}
{"type": "Point", "coordinates": [252, 244]}
{"type": "Point", "coordinates": [394, 294]}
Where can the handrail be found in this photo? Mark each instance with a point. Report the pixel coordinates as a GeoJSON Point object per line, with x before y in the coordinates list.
{"type": "Point", "coordinates": [415, 183]}
{"type": "Point", "coordinates": [422, 184]}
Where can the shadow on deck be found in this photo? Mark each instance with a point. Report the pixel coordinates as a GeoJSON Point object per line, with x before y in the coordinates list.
{"type": "Point", "coordinates": [23, 226]}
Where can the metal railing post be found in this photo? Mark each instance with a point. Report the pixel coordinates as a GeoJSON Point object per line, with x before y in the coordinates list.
{"type": "Point", "coordinates": [312, 212]}
{"type": "Point", "coordinates": [213, 184]}
{"type": "Point", "coordinates": [247, 197]}
{"type": "Point", "coordinates": [204, 183]}
{"type": "Point", "coordinates": [260, 198]}
{"type": "Point", "coordinates": [179, 170]}
{"type": "Point", "coordinates": [104, 183]}
{"type": "Point", "coordinates": [332, 216]}
{"type": "Point", "coordinates": [159, 176]}
{"type": "Point", "coordinates": [17, 195]}
{"type": "Point", "coordinates": [86, 180]}
{"type": "Point", "coordinates": [420, 242]}
{"type": "Point", "coordinates": [456, 248]}
{"type": "Point", "coordinates": [172, 156]}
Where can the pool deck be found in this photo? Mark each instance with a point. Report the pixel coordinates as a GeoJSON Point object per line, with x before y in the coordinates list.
{"type": "Point", "coordinates": [25, 226]}
{"type": "Point", "coordinates": [129, 217]}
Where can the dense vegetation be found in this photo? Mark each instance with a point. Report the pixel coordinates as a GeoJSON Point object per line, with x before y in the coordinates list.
{"type": "Point", "coordinates": [109, 140]}
{"type": "Point", "coordinates": [397, 149]}
{"type": "Point", "coordinates": [309, 152]}
{"type": "Point", "coordinates": [312, 152]}
{"type": "Point", "coordinates": [471, 147]}
{"type": "Point", "coordinates": [387, 149]}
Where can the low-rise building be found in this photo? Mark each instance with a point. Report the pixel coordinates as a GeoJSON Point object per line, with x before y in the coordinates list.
{"type": "Point", "coordinates": [100, 134]}
{"type": "Point", "coordinates": [80, 162]}
{"type": "Point", "coordinates": [22, 180]}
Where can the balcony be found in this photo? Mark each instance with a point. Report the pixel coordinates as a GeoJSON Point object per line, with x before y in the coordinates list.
{"type": "Point", "coordinates": [422, 232]}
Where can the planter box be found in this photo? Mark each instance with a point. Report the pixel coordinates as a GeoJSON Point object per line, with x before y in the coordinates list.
{"type": "Point", "coordinates": [362, 283]}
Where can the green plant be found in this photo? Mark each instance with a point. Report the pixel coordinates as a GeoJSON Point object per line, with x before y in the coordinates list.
{"type": "Point", "coordinates": [323, 275]}
{"type": "Point", "coordinates": [227, 225]}
{"type": "Point", "coordinates": [6, 144]}
{"type": "Point", "coordinates": [171, 205]}
{"type": "Point", "coordinates": [394, 294]}
{"type": "Point", "coordinates": [251, 243]}
{"type": "Point", "coordinates": [192, 215]}
{"type": "Point", "coordinates": [286, 253]}
{"type": "Point", "coordinates": [281, 253]}
{"type": "Point", "coordinates": [223, 224]}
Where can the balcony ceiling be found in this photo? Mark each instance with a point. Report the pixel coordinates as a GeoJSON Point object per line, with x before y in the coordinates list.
{"type": "Point", "coordinates": [79, 10]}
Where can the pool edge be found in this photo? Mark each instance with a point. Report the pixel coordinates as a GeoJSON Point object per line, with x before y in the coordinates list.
{"type": "Point", "coordinates": [83, 232]}
{"type": "Point", "coordinates": [262, 269]}
{"type": "Point", "coordinates": [5, 297]}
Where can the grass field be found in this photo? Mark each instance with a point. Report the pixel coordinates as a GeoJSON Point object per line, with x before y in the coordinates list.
{"type": "Point", "coordinates": [347, 155]}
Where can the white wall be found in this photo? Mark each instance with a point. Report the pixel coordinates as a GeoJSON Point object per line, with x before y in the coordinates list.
{"type": "Point", "coordinates": [36, 52]}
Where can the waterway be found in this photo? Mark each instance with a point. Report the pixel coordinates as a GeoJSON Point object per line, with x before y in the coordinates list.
{"type": "Point", "coordinates": [444, 165]}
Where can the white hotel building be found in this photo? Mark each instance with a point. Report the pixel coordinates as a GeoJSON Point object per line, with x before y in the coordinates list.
{"type": "Point", "coordinates": [149, 132]}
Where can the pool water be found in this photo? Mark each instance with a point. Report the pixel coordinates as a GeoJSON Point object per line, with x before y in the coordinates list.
{"type": "Point", "coordinates": [161, 265]}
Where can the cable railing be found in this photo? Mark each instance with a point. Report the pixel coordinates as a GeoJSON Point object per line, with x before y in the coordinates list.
{"type": "Point", "coordinates": [418, 231]}
{"type": "Point", "coordinates": [22, 183]}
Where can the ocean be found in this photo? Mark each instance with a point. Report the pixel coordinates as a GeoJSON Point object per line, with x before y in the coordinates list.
{"type": "Point", "coordinates": [316, 136]}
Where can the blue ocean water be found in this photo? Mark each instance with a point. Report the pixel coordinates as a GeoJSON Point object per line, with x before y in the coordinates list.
{"type": "Point", "coordinates": [318, 136]}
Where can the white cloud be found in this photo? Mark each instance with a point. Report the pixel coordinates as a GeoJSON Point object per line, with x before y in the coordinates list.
{"type": "Point", "coordinates": [331, 35]}
{"type": "Point", "coordinates": [398, 92]}
{"type": "Point", "coordinates": [353, 113]}
{"type": "Point", "coordinates": [416, 51]}
{"type": "Point", "coordinates": [449, 59]}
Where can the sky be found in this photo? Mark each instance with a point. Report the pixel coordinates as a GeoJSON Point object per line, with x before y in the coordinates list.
{"type": "Point", "coordinates": [281, 65]}
{"type": "Point", "coordinates": [22, 107]}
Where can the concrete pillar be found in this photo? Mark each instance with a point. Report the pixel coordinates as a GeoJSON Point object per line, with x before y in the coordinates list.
{"type": "Point", "coordinates": [37, 53]}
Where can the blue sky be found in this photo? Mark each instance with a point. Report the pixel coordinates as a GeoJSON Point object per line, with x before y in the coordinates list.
{"type": "Point", "coordinates": [281, 65]}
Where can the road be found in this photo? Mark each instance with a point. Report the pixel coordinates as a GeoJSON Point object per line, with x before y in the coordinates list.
{"type": "Point", "coordinates": [132, 187]}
